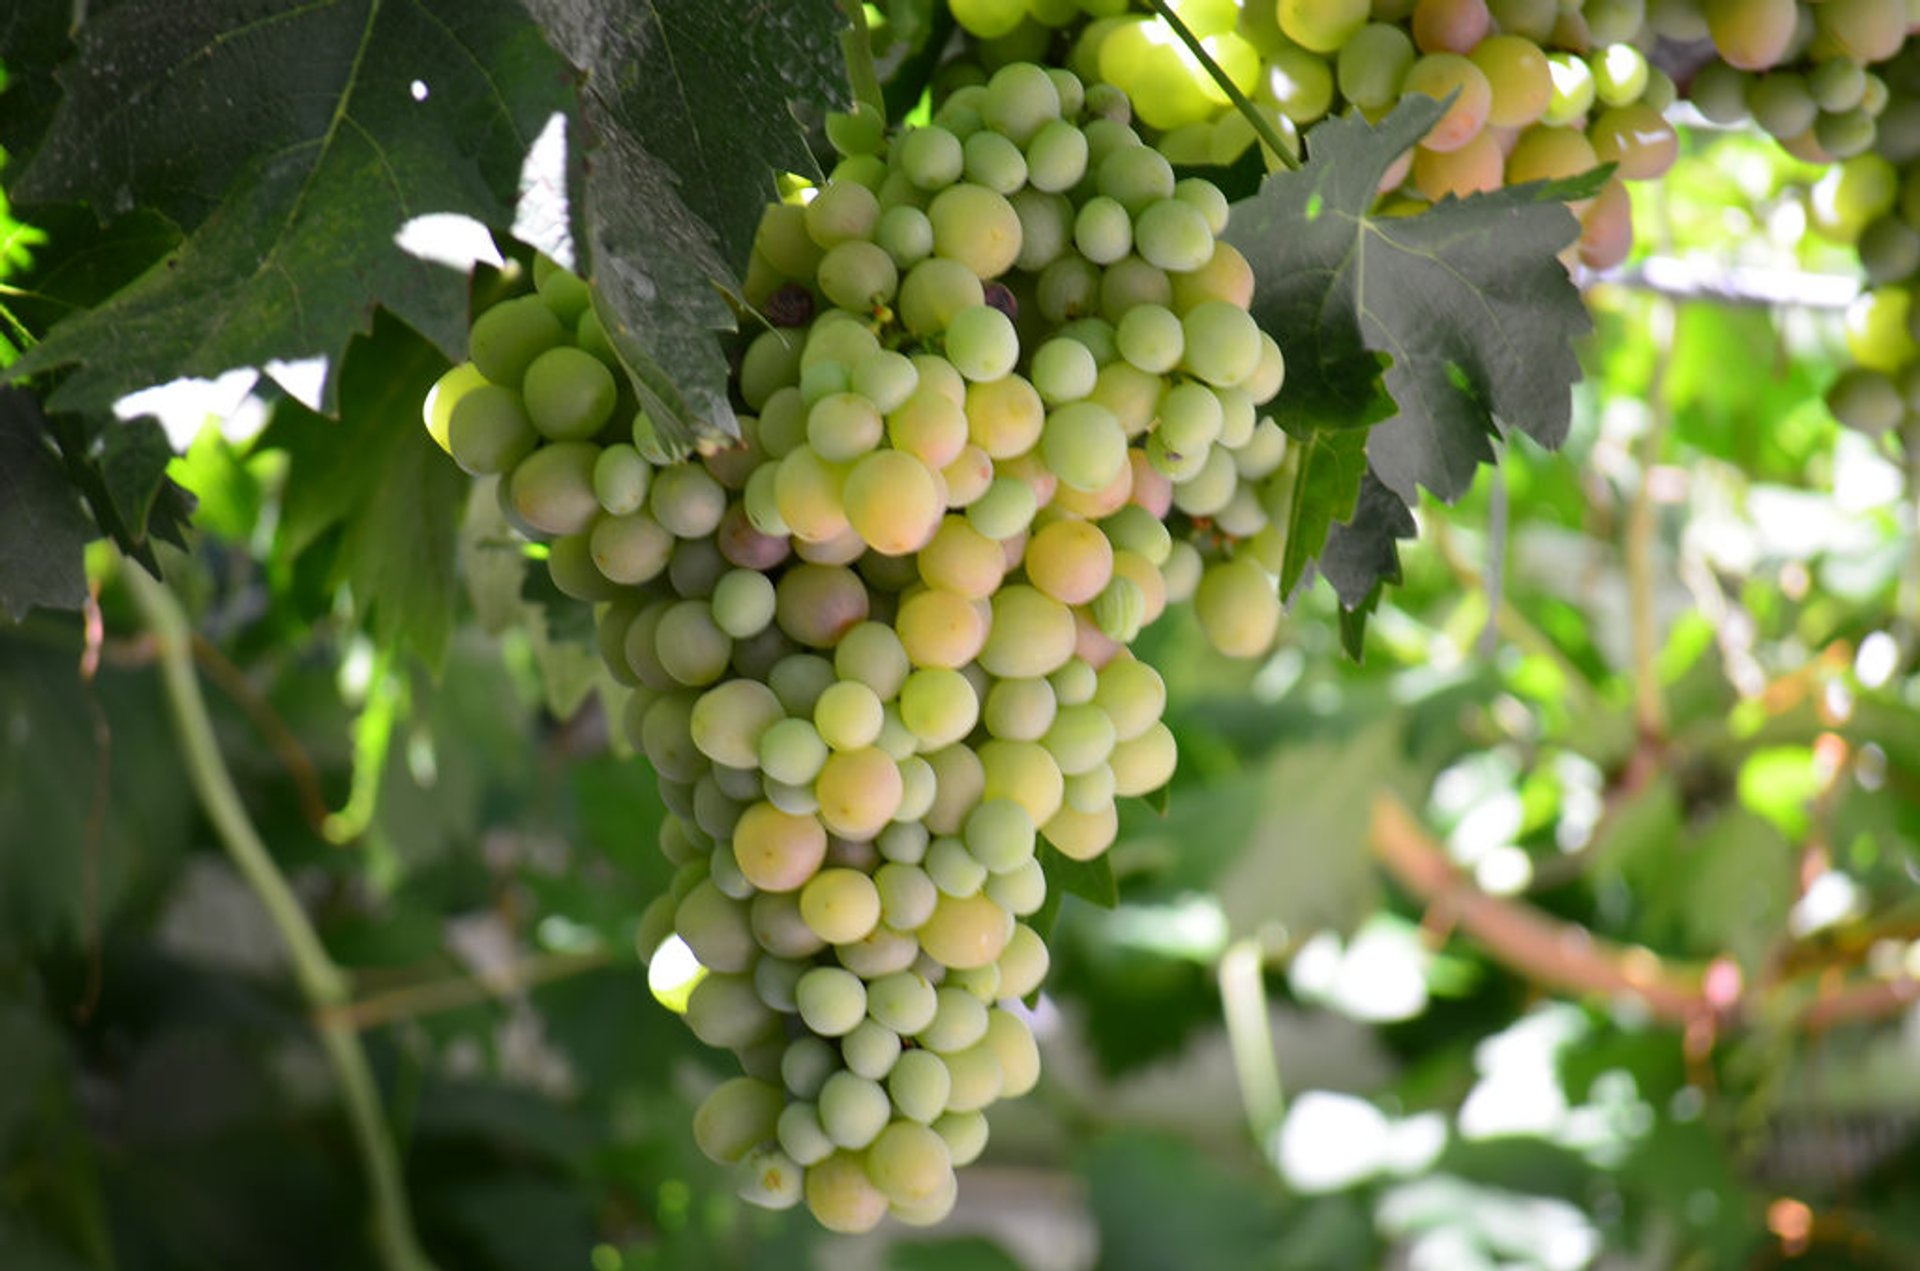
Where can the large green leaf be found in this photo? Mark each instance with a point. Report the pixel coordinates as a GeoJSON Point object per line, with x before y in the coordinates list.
{"type": "Point", "coordinates": [686, 111]}
{"type": "Point", "coordinates": [377, 478]}
{"type": "Point", "coordinates": [292, 143]}
{"type": "Point", "coordinates": [1465, 306]}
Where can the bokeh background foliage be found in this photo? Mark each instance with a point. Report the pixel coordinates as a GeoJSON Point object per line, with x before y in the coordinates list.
{"type": "Point", "coordinates": [1623, 985]}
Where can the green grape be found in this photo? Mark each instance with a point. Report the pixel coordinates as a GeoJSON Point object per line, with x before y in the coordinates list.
{"type": "Point", "coordinates": [1173, 234]}
{"type": "Point", "coordinates": [630, 549]}
{"type": "Point", "coordinates": [989, 19]}
{"type": "Point", "coordinates": [1020, 100]}
{"type": "Point", "coordinates": [1444, 75]}
{"type": "Point", "coordinates": [1000, 835]}
{"type": "Point", "coordinates": [1519, 77]}
{"type": "Point", "coordinates": [733, 1119]}
{"type": "Point", "coordinates": [726, 1011]}
{"type": "Point", "coordinates": [870, 1050]}
{"type": "Point", "coordinates": [939, 706]}
{"type": "Point", "coordinates": [919, 1085]}
{"type": "Point", "coordinates": [620, 479]}
{"type": "Point", "coordinates": [1573, 90]}
{"type": "Point", "coordinates": [1719, 92]}
{"type": "Point", "coordinates": [1322, 25]}
{"type": "Point", "coordinates": [1620, 74]}
{"type": "Point", "coordinates": [841, 212]}
{"type": "Point", "coordinates": [1450, 26]}
{"type": "Point", "coordinates": [1546, 153]}
{"type": "Point", "coordinates": [729, 720]}
{"type": "Point", "coordinates": [848, 715]}
{"type": "Point", "coordinates": [437, 411]}
{"type": "Point", "coordinates": [959, 1020]}
{"type": "Point", "coordinates": [552, 488]}
{"type": "Point", "coordinates": [1004, 511]}
{"type": "Point", "coordinates": [1751, 34]}
{"type": "Point", "coordinates": [962, 560]}
{"type": "Point", "coordinates": [1102, 230]}
{"type": "Point", "coordinates": [840, 905]}
{"type": "Point", "coordinates": [1084, 445]}
{"type": "Point", "coordinates": [775, 980]}
{"type": "Point", "coordinates": [1012, 1044]}
{"type": "Point", "coordinates": [1063, 371]}
{"type": "Point", "coordinates": [940, 629]}
{"type": "Point", "coordinates": [853, 1109]}
{"type": "Point", "coordinates": [690, 647]}
{"type": "Point", "coordinates": [1889, 251]}
{"type": "Point", "coordinates": [1080, 739]}
{"type": "Point", "coordinates": [507, 338]}
{"type": "Point", "coordinates": [1838, 84]}
{"type": "Point", "coordinates": [1638, 139]}
{"type": "Point", "coordinates": [1069, 287]}
{"type": "Point", "coordinates": [1299, 84]}
{"type": "Point", "coordinates": [832, 1000]}
{"type": "Point", "coordinates": [1046, 228]}
{"type": "Point", "coordinates": [893, 502]}
{"type": "Point", "coordinates": [1135, 176]}
{"type": "Point", "coordinates": [768, 1178]}
{"type": "Point", "coordinates": [1130, 282]}
{"type": "Point", "coordinates": [1221, 343]}
{"type": "Point", "coordinates": [871, 654]}
{"type": "Point", "coordinates": [1069, 560]}
{"type": "Point", "coordinates": [1056, 157]}
{"type": "Point", "coordinates": [800, 1134]}
{"type": "Point", "coordinates": [1151, 339]}
{"type": "Point", "coordinates": [910, 1163]}
{"type": "Point", "coordinates": [858, 275]}
{"type": "Point", "coordinates": [965, 931]}
{"type": "Point", "coordinates": [936, 289]}
{"type": "Point", "coordinates": [859, 792]}
{"type": "Point", "coordinates": [1144, 763]}
{"type": "Point", "coordinates": [806, 1063]}
{"type": "Point", "coordinates": [488, 430]}
{"type": "Point", "coordinates": [1862, 30]}
{"type": "Point", "coordinates": [992, 161]}
{"type": "Point", "coordinates": [569, 394]}
{"type": "Point", "coordinates": [665, 737]}
{"type": "Point", "coordinates": [1238, 608]}
{"type": "Point", "coordinates": [929, 426]}
{"type": "Point", "coordinates": [977, 1079]}
{"type": "Point", "coordinates": [975, 227]}
{"type": "Point", "coordinates": [816, 604]}
{"type": "Point", "coordinates": [907, 896]}
{"type": "Point", "coordinates": [981, 343]}
{"type": "Point", "coordinates": [1020, 891]}
{"type": "Point", "coordinates": [1031, 634]}
{"type": "Point", "coordinates": [776, 922]}
{"type": "Point", "coordinates": [1019, 709]}
{"type": "Point", "coordinates": [715, 927]}
{"type": "Point", "coordinates": [743, 602]}
{"type": "Point", "coordinates": [1866, 400]}
{"type": "Point", "coordinates": [783, 239]}
{"type": "Point", "coordinates": [1846, 133]}
{"type": "Point", "coordinates": [839, 1194]}
{"type": "Point", "coordinates": [965, 1133]}
{"type": "Point", "coordinates": [862, 130]}
{"type": "Point", "coordinates": [952, 870]}
{"type": "Point", "coordinates": [1372, 64]}
{"type": "Point", "coordinates": [1782, 103]}
{"type": "Point", "coordinates": [905, 234]}
{"type": "Point", "coordinates": [686, 500]}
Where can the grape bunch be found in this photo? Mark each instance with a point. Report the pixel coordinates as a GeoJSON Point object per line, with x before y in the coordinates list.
{"type": "Point", "coordinates": [877, 650]}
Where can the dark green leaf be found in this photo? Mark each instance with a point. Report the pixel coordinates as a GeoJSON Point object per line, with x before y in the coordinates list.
{"type": "Point", "coordinates": [1361, 549]}
{"type": "Point", "coordinates": [133, 468]}
{"type": "Point", "coordinates": [336, 123]}
{"type": "Point", "coordinates": [43, 532]}
{"type": "Point", "coordinates": [1092, 881]}
{"type": "Point", "coordinates": [377, 477]}
{"type": "Point", "coordinates": [1465, 304]}
{"type": "Point", "coordinates": [1331, 464]}
{"type": "Point", "coordinates": [84, 262]}
{"type": "Point", "coordinates": [33, 40]}
{"type": "Point", "coordinates": [686, 117]}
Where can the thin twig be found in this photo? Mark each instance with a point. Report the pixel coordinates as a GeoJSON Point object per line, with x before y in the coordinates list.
{"type": "Point", "coordinates": [857, 47]}
{"type": "Point", "coordinates": [1649, 702]}
{"type": "Point", "coordinates": [279, 738]}
{"type": "Point", "coordinates": [320, 981]}
{"type": "Point", "coordinates": [414, 1000]}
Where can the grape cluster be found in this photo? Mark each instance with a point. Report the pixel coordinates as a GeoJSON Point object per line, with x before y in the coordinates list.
{"type": "Point", "coordinates": [877, 650]}
{"type": "Point", "coordinates": [1546, 88]}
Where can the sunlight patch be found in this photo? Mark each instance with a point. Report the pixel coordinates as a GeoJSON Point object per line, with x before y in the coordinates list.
{"type": "Point", "coordinates": [450, 239]}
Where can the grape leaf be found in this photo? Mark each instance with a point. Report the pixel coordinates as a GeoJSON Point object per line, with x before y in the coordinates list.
{"type": "Point", "coordinates": [685, 110]}
{"type": "Point", "coordinates": [1362, 555]}
{"type": "Point", "coordinates": [291, 143]}
{"type": "Point", "coordinates": [377, 478]}
{"type": "Point", "coordinates": [33, 40]}
{"type": "Point", "coordinates": [43, 532]}
{"type": "Point", "coordinates": [1465, 306]}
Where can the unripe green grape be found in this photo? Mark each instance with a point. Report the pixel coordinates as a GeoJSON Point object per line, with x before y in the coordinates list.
{"type": "Point", "coordinates": [1209, 489]}
{"type": "Point", "coordinates": [1546, 153]}
{"type": "Point", "coordinates": [1782, 103]}
{"type": "Point", "coordinates": [1083, 836]}
{"type": "Point", "coordinates": [1638, 139]}
{"type": "Point", "coordinates": [977, 1079]}
{"type": "Point", "coordinates": [1069, 288]}
{"type": "Point", "coordinates": [910, 1163]}
{"type": "Point", "coordinates": [832, 1001]}
{"type": "Point", "coordinates": [666, 737]}
{"type": "Point", "coordinates": [691, 648]}
{"type": "Point", "coordinates": [1102, 230]}
{"type": "Point", "coordinates": [569, 394]}
{"type": "Point", "coordinates": [1091, 790]}
{"type": "Point", "coordinates": [938, 628]}
{"type": "Point", "coordinates": [903, 842]}
{"type": "Point", "coordinates": [981, 343]}
{"type": "Point", "coordinates": [1866, 400]}
{"type": "Point", "coordinates": [839, 1194]}
{"type": "Point", "coordinates": [725, 1011]}
{"type": "Point", "coordinates": [1452, 26]}
{"type": "Point", "coordinates": [1019, 709]}
{"type": "Point", "coordinates": [735, 1117]}
{"type": "Point", "coordinates": [769, 1178]}
{"type": "Point", "coordinates": [1013, 1046]}
{"type": "Point", "coordinates": [1372, 64]}
{"type": "Point", "coordinates": [1846, 133]}
{"type": "Point", "coordinates": [1751, 34]}
{"type": "Point", "coordinates": [1069, 560]}
{"type": "Point", "coordinates": [816, 604]}
{"type": "Point", "coordinates": [686, 500]}
{"type": "Point", "coordinates": [953, 871]}
{"type": "Point", "coordinates": [800, 1134]}
{"type": "Point", "coordinates": [776, 922]}
{"type": "Point", "coordinates": [859, 792]}
{"type": "Point", "coordinates": [936, 289]}
{"type": "Point", "coordinates": [791, 750]}
{"type": "Point", "coordinates": [1031, 634]}
{"type": "Point", "coordinates": [571, 567]}
{"type": "Point", "coordinates": [507, 338]}
{"type": "Point", "coordinates": [918, 785]}
{"type": "Point", "coordinates": [552, 488]}
{"type": "Point", "coordinates": [1322, 25]}
{"type": "Point", "coordinates": [1838, 84]}
{"type": "Point", "coordinates": [905, 234]}
{"type": "Point", "coordinates": [841, 212]}
{"type": "Point", "coordinates": [1145, 762]}
{"type": "Point", "coordinates": [1063, 371]}
{"type": "Point", "coordinates": [1719, 92]}
{"type": "Point", "coordinates": [1889, 251]}
{"type": "Point", "coordinates": [1131, 282]}
{"type": "Point", "coordinates": [992, 161]}
{"type": "Point", "coordinates": [870, 1050]}
{"type": "Point", "coordinates": [1080, 739]}
{"type": "Point", "coordinates": [1084, 445]}
{"type": "Point", "coordinates": [1150, 338]}
{"type": "Point", "coordinates": [1020, 891]}
{"type": "Point", "coordinates": [840, 905]}
{"type": "Point", "coordinates": [959, 1020]}
{"type": "Point", "coordinates": [783, 239]}
{"type": "Point", "coordinates": [907, 897]}
{"type": "Point", "coordinates": [962, 560]}
{"type": "Point", "coordinates": [1221, 343]}
{"type": "Point", "coordinates": [939, 706]}
{"type": "Point", "coordinates": [1004, 511]}
{"type": "Point", "coordinates": [742, 603]}
{"type": "Point", "coordinates": [929, 426]}
{"type": "Point", "coordinates": [1000, 835]}
{"type": "Point", "coordinates": [848, 715]}
{"type": "Point", "coordinates": [1075, 682]}
{"type": "Point", "coordinates": [437, 411]}
{"type": "Point", "coordinates": [975, 227]}
{"type": "Point", "coordinates": [620, 479]}
{"type": "Point", "coordinates": [1135, 176]}
{"type": "Point", "coordinates": [1299, 83]}
{"type": "Point", "coordinates": [858, 275]}
{"type": "Point", "coordinates": [965, 1133]}
{"type": "Point", "coordinates": [853, 1109]}
{"type": "Point", "coordinates": [715, 927]}
{"type": "Point", "coordinates": [965, 931]}
{"type": "Point", "coordinates": [729, 720]}
{"type": "Point", "coordinates": [919, 1086]}
{"type": "Point", "coordinates": [488, 430]}
{"type": "Point", "coordinates": [775, 979]}
{"type": "Point", "coordinates": [806, 1063]}
{"type": "Point", "coordinates": [871, 654]}
{"type": "Point", "coordinates": [695, 566]}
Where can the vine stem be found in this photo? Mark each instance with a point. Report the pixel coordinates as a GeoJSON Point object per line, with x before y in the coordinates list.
{"type": "Point", "coordinates": [321, 982]}
{"type": "Point", "coordinates": [1649, 701]}
{"type": "Point", "coordinates": [857, 47]}
{"type": "Point", "coordinates": [1243, 997]}
{"type": "Point", "coordinates": [1262, 128]}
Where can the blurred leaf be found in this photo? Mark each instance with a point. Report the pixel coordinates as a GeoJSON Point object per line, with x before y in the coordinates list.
{"type": "Point", "coordinates": [43, 532]}
{"type": "Point", "coordinates": [1161, 1204]}
{"type": "Point", "coordinates": [964, 1253]}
